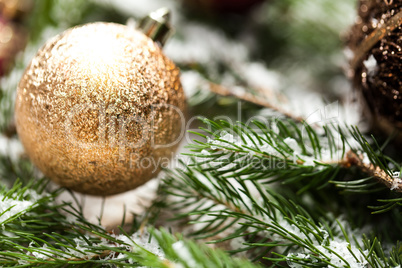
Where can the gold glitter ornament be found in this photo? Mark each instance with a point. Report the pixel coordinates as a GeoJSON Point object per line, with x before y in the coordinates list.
{"type": "Point", "coordinates": [100, 109]}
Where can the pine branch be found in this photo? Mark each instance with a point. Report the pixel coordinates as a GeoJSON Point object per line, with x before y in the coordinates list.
{"type": "Point", "coordinates": [227, 209]}
{"type": "Point", "coordinates": [37, 231]}
{"type": "Point", "coordinates": [280, 153]}
{"type": "Point", "coordinates": [224, 190]}
{"type": "Point", "coordinates": [284, 150]}
{"type": "Point", "coordinates": [373, 171]}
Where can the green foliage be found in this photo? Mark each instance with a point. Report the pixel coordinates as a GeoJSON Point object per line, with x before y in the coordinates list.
{"type": "Point", "coordinates": [36, 230]}
{"type": "Point", "coordinates": [272, 227]}
{"type": "Point", "coordinates": [11, 170]}
{"type": "Point", "coordinates": [225, 189]}
{"type": "Point", "coordinates": [293, 154]}
{"type": "Point", "coordinates": [281, 152]}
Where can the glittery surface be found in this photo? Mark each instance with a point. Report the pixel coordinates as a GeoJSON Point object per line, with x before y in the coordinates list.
{"type": "Point", "coordinates": [100, 109]}
{"type": "Point", "coordinates": [381, 86]}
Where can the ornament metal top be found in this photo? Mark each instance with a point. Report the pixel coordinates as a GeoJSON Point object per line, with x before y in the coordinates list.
{"type": "Point", "coordinates": [100, 108]}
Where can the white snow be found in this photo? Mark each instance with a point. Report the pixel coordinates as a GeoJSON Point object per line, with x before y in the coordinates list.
{"type": "Point", "coordinates": [39, 254]}
{"type": "Point", "coordinates": [11, 147]}
{"type": "Point", "coordinates": [237, 243]}
{"type": "Point", "coordinates": [139, 238]}
{"type": "Point", "coordinates": [23, 262]}
{"type": "Point", "coordinates": [335, 249]}
{"type": "Point", "coordinates": [331, 248]}
{"type": "Point", "coordinates": [374, 22]}
{"type": "Point", "coordinates": [205, 152]}
{"type": "Point", "coordinates": [397, 181]}
{"type": "Point", "coordinates": [184, 254]}
{"type": "Point", "coordinates": [204, 45]}
{"type": "Point", "coordinates": [13, 207]}
{"type": "Point", "coordinates": [366, 159]}
{"type": "Point", "coordinates": [349, 54]}
{"type": "Point", "coordinates": [292, 143]}
{"type": "Point", "coordinates": [80, 250]}
{"type": "Point", "coordinates": [298, 255]}
{"type": "Point", "coordinates": [45, 252]}
{"type": "Point", "coordinates": [259, 76]}
{"type": "Point", "coordinates": [192, 82]}
{"type": "Point", "coordinates": [10, 206]}
{"type": "Point", "coordinates": [235, 140]}
{"type": "Point", "coordinates": [142, 239]}
{"type": "Point", "coordinates": [345, 250]}
{"type": "Point", "coordinates": [226, 137]}
{"type": "Point", "coordinates": [308, 161]}
{"type": "Point", "coordinates": [370, 64]}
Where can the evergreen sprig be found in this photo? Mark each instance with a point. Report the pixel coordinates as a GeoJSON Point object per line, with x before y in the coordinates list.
{"type": "Point", "coordinates": [269, 226]}
{"type": "Point", "coordinates": [37, 231]}
{"type": "Point", "coordinates": [226, 190]}
{"type": "Point", "coordinates": [292, 153]}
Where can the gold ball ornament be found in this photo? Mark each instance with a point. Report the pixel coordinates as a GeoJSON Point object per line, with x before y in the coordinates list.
{"type": "Point", "coordinates": [100, 108]}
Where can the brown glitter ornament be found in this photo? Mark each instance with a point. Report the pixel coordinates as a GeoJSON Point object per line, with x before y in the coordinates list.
{"type": "Point", "coordinates": [100, 109]}
{"type": "Point", "coordinates": [376, 41]}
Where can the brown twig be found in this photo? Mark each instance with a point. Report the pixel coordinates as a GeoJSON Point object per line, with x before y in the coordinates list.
{"type": "Point", "coordinates": [246, 96]}
{"type": "Point", "coordinates": [352, 159]}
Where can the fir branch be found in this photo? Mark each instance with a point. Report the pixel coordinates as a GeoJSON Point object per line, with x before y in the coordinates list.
{"type": "Point", "coordinates": [289, 152]}
{"type": "Point", "coordinates": [376, 163]}
{"type": "Point", "coordinates": [283, 152]}
{"type": "Point", "coordinates": [227, 195]}
{"type": "Point", "coordinates": [37, 231]}
{"type": "Point", "coordinates": [381, 175]}
{"type": "Point", "coordinates": [230, 209]}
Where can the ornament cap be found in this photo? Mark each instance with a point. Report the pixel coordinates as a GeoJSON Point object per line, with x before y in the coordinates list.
{"type": "Point", "coordinates": [157, 25]}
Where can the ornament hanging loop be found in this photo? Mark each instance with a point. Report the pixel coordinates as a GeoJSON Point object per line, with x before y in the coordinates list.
{"type": "Point", "coordinates": [157, 26]}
